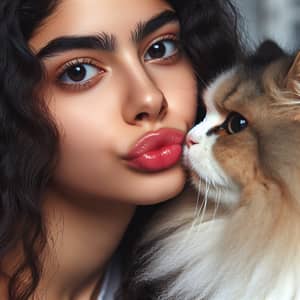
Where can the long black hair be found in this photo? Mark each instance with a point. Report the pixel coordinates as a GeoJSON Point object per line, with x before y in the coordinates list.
{"type": "Point", "coordinates": [29, 137]}
{"type": "Point", "coordinates": [210, 37]}
{"type": "Point", "coordinates": [28, 145]}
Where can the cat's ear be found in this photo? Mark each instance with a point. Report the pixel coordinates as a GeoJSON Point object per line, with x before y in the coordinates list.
{"type": "Point", "coordinates": [267, 52]}
{"type": "Point", "coordinates": [292, 80]}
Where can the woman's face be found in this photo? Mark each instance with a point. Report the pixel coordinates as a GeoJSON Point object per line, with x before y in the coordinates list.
{"type": "Point", "coordinates": [122, 94]}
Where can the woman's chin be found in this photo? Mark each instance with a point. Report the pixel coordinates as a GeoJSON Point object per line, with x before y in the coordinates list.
{"type": "Point", "coordinates": [161, 187]}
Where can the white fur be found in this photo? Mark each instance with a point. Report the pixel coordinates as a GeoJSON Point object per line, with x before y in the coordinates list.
{"type": "Point", "coordinates": [207, 167]}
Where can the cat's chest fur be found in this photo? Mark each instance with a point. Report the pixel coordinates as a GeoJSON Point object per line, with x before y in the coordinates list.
{"type": "Point", "coordinates": [209, 257]}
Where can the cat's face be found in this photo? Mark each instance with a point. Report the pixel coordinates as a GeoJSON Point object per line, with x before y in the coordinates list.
{"type": "Point", "coordinates": [251, 130]}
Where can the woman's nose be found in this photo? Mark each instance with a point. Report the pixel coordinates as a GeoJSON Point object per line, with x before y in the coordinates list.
{"type": "Point", "coordinates": [146, 102]}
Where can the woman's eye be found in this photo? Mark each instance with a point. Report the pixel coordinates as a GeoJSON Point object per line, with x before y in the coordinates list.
{"type": "Point", "coordinates": [79, 73]}
{"type": "Point", "coordinates": [161, 50]}
{"type": "Point", "coordinates": [235, 123]}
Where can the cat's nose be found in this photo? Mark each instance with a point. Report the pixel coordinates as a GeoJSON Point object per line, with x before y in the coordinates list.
{"type": "Point", "coordinates": [189, 141]}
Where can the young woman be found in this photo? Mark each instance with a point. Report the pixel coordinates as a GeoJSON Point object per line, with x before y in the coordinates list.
{"type": "Point", "coordinates": [95, 99]}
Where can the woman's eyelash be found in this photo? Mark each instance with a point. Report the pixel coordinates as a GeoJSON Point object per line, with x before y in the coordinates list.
{"type": "Point", "coordinates": [173, 37]}
{"type": "Point", "coordinates": [79, 69]}
{"type": "Point", "coordinates": [173, 41]}
{"type": "Point", "coordinates": [75, 62]}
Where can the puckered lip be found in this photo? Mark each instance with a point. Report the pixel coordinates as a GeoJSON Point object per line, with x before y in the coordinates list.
{"type": "Point", "coordinates": [155, 140]}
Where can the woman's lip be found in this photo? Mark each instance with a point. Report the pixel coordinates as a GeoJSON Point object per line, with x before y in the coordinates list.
{"type": "Point", "coordinates": [157, 160]}
{"type": "Point", "coordinates": [157, 150]}
{"type": "Point", "coordinates": [155, 140]}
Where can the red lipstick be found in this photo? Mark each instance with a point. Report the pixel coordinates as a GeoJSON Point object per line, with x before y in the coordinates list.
{"type": "Point", "coordinates": [157, 150]}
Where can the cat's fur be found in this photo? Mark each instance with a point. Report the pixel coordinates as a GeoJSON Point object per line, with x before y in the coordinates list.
{"type": "Point", "coordinates": [241, 239]}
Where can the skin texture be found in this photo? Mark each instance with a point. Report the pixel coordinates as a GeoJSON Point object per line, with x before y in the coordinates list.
{"type": "Point", "coordinates": [94, 190]}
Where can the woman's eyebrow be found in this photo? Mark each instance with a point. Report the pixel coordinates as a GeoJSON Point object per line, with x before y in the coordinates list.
{"type": "Point", "coordinates": [102, 41]}
{"type": "Point", "coordinates": [143, 29]}
{"type": "Point", "coordinates": [105, 41]}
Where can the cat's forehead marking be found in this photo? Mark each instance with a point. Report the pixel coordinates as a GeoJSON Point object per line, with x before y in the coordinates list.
{"type": "Point", "coordinates": [210, 92]}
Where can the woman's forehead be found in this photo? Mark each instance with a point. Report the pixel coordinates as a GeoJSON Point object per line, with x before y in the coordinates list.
{"type": "Point", "coordinates": [115, 17]}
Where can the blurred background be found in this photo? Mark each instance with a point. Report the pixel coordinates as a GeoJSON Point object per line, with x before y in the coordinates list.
{"type": "Point", "coordinates": [276, 19]}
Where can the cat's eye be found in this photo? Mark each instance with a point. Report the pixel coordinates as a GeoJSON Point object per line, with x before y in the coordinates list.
{"type": "Point", "coordinates": [235, 123]}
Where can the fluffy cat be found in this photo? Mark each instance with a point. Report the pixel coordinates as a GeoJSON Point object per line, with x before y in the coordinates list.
{"type": "Point", "coordinates": [241, 239]}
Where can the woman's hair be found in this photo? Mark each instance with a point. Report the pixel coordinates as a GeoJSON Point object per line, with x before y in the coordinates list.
{"type": "Point", "coordinates": [28, 145]}
{"type": "Point", "coordinates": [210, 38]}
{"type": "Point", "coordinates": [29, 137]}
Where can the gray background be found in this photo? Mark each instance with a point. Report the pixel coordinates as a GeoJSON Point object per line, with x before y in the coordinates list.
{"type": "Point", "coordinates": [276, 19]}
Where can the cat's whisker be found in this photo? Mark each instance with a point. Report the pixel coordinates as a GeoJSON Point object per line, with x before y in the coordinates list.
{"type": "Point", "coordinates": [204, 203]}
{"type": "Point", "coordinates": [297, 87]}
{"type": "Point", "coordinates": [190, 231]}
{"type": "Point", "coordinates": [194, 223]}
{"type": "Point", "coordinates": [201, 207]}
{"type": "Point", "coordinates": [202, 192]}
{"type": "Point", "coordinates": [217, 202]}
{"type": "Point", "coordinates": [197, 207]}
{"type": "Point", "coordinates": [291, 102]}
{"type": "Point", "coordinates": [198, 198]}
{"type": "Point", "coordinates": [203, 210]}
